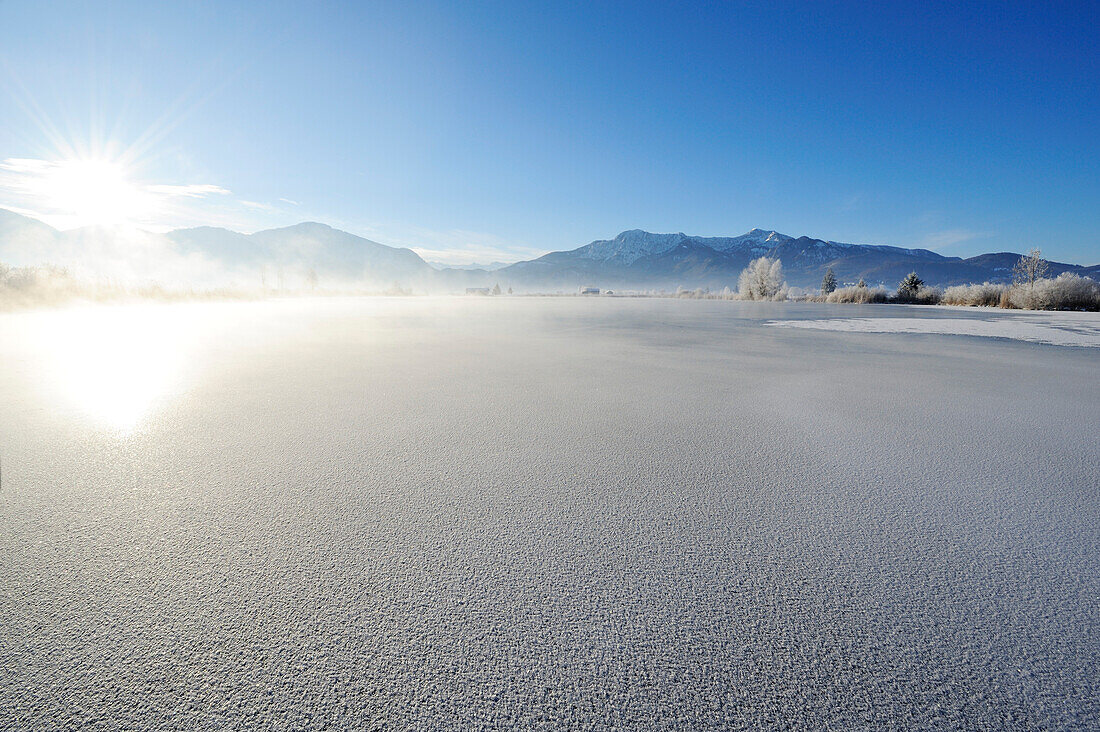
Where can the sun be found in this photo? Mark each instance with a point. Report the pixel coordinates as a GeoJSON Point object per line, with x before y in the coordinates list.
{"type": "Point", "coordinates": [93, 192]}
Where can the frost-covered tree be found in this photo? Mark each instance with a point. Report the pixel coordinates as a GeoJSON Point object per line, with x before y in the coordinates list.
{"type": "Point", "coordinates": [862, 283]}
{"type": "Point", "coordinates": [496, 289]}
{"type": "Point", "coordinates": [762, 280]}
{"type": "Point", "coordinates": [910, 286]}
{"type": "Point", "coordinates": [828, 282]}
{"type": "Point", "coordinates": [1029, 269]}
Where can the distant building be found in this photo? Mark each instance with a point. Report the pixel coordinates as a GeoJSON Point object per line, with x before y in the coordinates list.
{"type": "Point", "coordinates": [477, 290]}
{"type": "Point", "coordinates": [590, 291]}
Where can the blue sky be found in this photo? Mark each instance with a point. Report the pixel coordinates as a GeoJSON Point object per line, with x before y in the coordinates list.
{"type": "Point", "coordinates": [477, 131]}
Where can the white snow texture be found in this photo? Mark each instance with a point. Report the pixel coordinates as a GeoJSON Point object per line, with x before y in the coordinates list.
{"type": "Point", "coordinates": [519, 513]}
{"type": "Point", "coordinates": [1057, 329]}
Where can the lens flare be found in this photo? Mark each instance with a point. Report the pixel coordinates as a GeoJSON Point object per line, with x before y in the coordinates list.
{"type": "Point", "coordinates": [93, 192]}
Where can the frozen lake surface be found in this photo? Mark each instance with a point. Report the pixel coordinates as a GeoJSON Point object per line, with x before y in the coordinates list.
{"type": "Point", "coordinates": [560, 512]}
{"type": "Point", "coordinates": [1057, 329]}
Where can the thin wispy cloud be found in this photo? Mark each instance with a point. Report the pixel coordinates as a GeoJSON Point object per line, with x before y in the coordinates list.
{"type": "Point", "coordinates": [929, 218]}
{"type": "Point", "coordinates": [71, 193]}
{"type": "Point", "coordinates": [79, 192]}
{"type": "Point", "coordinates": [470, 256]}
{"type": "Point", "coordinates": [938, 241]}
{"type": "Point", "coordinates": [467, 247]}
{"type": "Point", "coordinates": [24, 166]}
{"type": "Point", "coordinates": [197, 190]}
{"type": "Point", "coordinates": [257, 205]}
{"type": "Point", "coordinates": [851, 203]}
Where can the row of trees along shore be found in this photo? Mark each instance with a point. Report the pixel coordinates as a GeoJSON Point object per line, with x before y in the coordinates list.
{"type": "Point", "coordinates": [1031, 289]}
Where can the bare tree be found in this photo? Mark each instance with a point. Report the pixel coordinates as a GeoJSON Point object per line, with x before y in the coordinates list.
{"type": "Point", "coordinates": [311, 278]}
{"type": "Point", "coordinates": [1029, 269]}
{"type": "Point", "coordinates": [762, 280]}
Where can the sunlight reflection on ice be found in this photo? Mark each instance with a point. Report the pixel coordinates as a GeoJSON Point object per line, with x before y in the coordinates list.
{"type": "Point", "coordinates": [113, 363]}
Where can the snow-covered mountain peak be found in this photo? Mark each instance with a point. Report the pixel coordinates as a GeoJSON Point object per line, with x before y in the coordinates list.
{"type": "Point", "coordinates": [630, 246]}
{"type": "Point", "coordinates": [765, 236]}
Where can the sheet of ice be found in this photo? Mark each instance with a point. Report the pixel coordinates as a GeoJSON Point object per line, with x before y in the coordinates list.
{"type": "Point", "coordinates": [1058, 329]}
{"type": "Point", "coordinates": [521, 513]}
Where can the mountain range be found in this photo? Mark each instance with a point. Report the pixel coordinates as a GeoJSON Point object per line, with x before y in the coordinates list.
{"type": "Point", "coordinates": [642, 259]}
{"type": "Point", "coordinates": [319, 254]}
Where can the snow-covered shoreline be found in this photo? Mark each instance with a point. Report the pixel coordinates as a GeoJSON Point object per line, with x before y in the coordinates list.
{"type": "Point", "coordinates": [1051, 328]}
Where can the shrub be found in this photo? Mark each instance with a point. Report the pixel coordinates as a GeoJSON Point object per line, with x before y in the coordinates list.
{"type": "Point", "coordinates": [913, 291]}
{"type": "Point", "coordinates": [926, 296]}
{"type": "Point", "coordinates": [986, 294]}
{"type": "Point", "coordinates": [858, 295]}
{"type": "Point", "coordinates": [28, 286]}
{"type": "Point", "coordinates": [1067, 291]}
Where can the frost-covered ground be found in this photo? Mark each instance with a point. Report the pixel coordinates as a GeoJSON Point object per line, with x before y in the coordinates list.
{"type": "Point", "coordinates": [1054, 328]}
{"type": "Point", "coordinates": [565, 512]}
